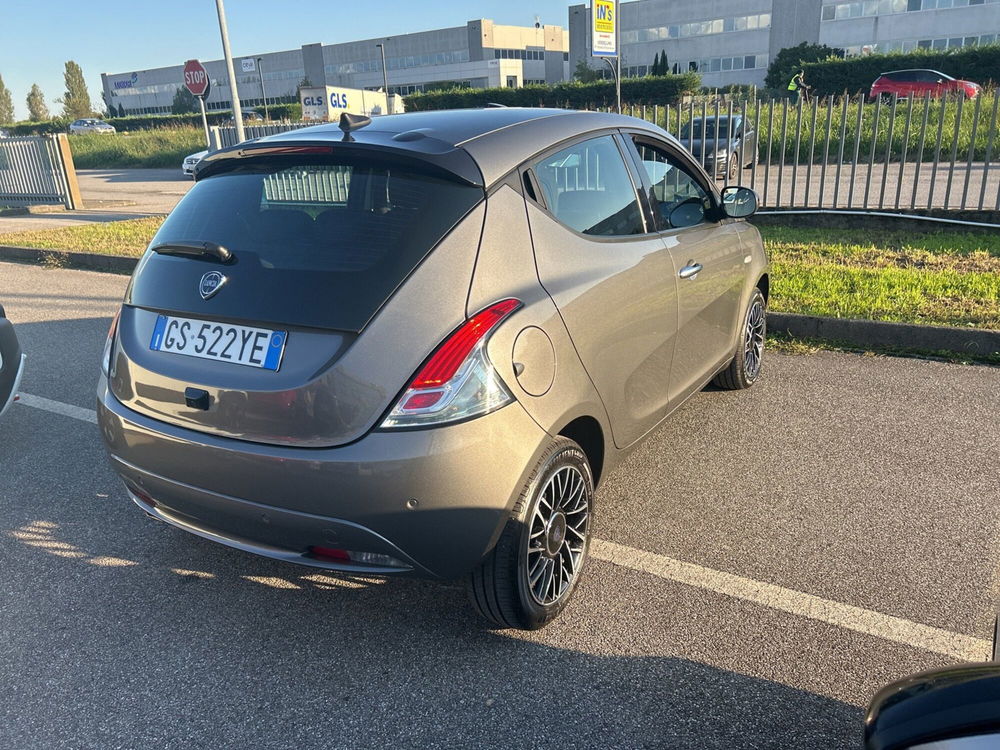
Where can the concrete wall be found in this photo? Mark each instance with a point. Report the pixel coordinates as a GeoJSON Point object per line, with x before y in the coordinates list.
{"type": "Point", "coordinates": [913, 26]}
{"type": "Point", "coordinates": [793, 22]}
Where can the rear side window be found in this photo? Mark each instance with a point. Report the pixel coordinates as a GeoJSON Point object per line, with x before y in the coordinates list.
{"type": "Point", "coordinates": [587, 187]}
{"type": "Point", "coordinates": [331, 238]}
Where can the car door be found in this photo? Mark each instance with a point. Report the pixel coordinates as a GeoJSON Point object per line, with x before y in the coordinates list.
{"type": "Point", "coordinates": [707, 255]}
{"type": "Point", "coordinates": [610, 276]}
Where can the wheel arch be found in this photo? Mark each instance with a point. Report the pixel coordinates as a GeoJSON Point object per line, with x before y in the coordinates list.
{"type": "Point", "coordinates": [586, 431]}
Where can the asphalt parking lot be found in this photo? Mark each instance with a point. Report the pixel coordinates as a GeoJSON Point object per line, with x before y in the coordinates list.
{"type": "Point", "coordinates": [767, 560]}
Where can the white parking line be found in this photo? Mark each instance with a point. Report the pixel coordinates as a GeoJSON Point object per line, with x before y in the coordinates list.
{"type": "Point", "coordinates": [866, 621]}
{"type": "Point", "coordinates": [58, 407]}
{"type": "Point", "coordinates": [869, 622]}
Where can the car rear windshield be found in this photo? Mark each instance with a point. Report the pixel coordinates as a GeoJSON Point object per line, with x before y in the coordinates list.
{"type": "Point", "coordinates": [331, 239]}
{"type": "Point", "coordinates": [695, 127]}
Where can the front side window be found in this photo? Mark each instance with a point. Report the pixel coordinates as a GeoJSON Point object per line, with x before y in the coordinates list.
{"type": "Point", "coordinates": [587, 187]}
{"type": "Point", "coordinates": [677, 197]}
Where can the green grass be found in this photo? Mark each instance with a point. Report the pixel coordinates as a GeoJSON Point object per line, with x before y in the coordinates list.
{"type": "Point", "coordinates": [128, 238]}
{"type": "Point", "coordinates": [164, 147]}
{"type": "Point", "coordinates": [793, 123]}
{"type": "Point", "coordinates": [934, 278]}
{"type": "Point", "coordinates": [939, 278]}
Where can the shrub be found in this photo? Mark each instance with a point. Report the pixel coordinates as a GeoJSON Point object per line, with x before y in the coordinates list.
{"type": "Point", "coordinates": [648, 90]}
{"type": "Point", "coordinates": [856, 74]}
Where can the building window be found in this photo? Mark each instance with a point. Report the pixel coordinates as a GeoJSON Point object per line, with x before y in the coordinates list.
{"type": "Point", "coordinates": [840, 11]}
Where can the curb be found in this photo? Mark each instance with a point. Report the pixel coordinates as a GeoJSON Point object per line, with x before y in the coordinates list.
{"type": "Point", "coordinates": [879, 334]}
{"type": "Point", "coordinates": [860, 333]}
{"type": "Point", "coordinates": [64, 258]}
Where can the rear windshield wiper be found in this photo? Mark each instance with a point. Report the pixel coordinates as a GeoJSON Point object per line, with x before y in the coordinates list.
{"type": "Point", "coordinates": [194, 250]}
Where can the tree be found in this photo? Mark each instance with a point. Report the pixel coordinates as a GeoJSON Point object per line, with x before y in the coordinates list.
{"type": "Point", "coordinates": [184, 102]}
{"type": "Point", "coordinates": [654, 69]}
{"type": "Point", "coordinates": [585, 74]}
{"type": "Point", "coordinates": [37, 109]}
{"type": "Point", "coordinates": [664, 64]}
{"type": "Point", "coordinates": [121, 109]}
{"type": "Point", "coordinates": [6, 104]}
{"type": "Point", "coordinates": [788, 61]}
{"type": "Point", "coordinates": [76, 101]}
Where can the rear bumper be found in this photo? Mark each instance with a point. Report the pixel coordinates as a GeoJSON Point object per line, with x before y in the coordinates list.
{"type": "Point", "coordinates": [434, 500]}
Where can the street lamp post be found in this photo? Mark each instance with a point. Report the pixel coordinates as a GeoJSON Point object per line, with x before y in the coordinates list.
{"type": "Point", "coordinates": [237, 109]}
{"type": "Point", "coordinates": [263, 95]}
{"type": "Point", "coordinates": [385, 79]}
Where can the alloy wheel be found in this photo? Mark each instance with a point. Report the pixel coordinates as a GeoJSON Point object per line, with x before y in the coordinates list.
{"type": "Point", "coordinates": [753, 337]}
{"type": "Point", "coordinates": [557, 536]}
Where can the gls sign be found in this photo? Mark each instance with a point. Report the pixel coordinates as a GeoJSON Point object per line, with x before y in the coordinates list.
{"type": "Point", "coordinates": [337, 100]}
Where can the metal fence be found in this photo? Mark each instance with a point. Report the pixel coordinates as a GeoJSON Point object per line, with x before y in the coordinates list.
{"type": "Point", "coordinates": [37, 170]}
{"type": "Point", "coordinates": [838, 152]}
{"type": "Point", "coordinates": [848, 153]}
{"type": "Point", "coordinates": [223, 136]}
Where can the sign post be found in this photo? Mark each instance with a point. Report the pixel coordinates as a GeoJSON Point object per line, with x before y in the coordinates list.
{"type": "Point", "coordinates": [605, 38]}
{"type": "Point", "coordinates": [196, 81]}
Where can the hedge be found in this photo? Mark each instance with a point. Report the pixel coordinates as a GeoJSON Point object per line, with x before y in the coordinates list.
{"type": "Point", "coordinates": [857, 74]}
{"type": "Point", "coordinates": [648, 90]}
{"type": "Point", "coordinates": [151, 122]}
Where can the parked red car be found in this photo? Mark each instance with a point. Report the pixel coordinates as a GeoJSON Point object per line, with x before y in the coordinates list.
{"type": "Point", "coordinates": [919, 83]}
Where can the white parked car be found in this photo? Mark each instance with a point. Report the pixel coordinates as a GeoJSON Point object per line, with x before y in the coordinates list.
{"type": "Point", "coordinates": [190, 162]}
{"type": "Point", "coordinates": [90, 125]}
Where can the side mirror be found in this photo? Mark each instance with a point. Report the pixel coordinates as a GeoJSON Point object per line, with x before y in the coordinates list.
{"type": "Point", "coordinates": [954, 708]}
{"type": "Point", "coordinates": [739, 202]}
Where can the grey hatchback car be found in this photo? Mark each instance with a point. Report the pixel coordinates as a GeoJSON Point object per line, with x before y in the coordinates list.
{"type": "Point", "coordinates": [415, 345]}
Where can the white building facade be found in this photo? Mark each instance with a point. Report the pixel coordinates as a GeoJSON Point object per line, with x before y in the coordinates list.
{"type": "Point", "coordinates": [479, 54]}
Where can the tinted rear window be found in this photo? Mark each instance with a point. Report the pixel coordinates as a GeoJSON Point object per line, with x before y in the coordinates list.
{"type": "Point", "coordinates": [331, 239]}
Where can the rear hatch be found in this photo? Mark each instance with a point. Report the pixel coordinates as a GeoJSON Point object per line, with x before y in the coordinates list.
{"type": "Point", "coordinates": [263, 277]}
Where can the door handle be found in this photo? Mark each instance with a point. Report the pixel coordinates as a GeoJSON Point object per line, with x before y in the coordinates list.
{"type": "Point", "coordinates": [690, 270]}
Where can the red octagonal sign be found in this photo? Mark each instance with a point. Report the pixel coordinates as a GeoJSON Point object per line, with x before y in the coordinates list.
{"type": "Point", "coordinates": [196, 78]}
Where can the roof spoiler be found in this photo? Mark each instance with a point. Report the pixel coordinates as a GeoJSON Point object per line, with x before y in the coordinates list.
{"type": "Point", "coordinates": [454, 164]}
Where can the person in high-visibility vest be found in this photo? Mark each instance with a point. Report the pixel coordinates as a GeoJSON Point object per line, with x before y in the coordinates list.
{"type": "Point", "coordinates": [798, 85]}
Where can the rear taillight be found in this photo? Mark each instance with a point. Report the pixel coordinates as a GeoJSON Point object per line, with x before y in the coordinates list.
{"type": "Point", "coordinates": [458, 382]}
{"type": "Point", "coordinates": [109, 344]}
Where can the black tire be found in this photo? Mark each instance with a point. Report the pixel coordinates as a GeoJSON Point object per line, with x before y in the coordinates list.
{"type": "Point", "coordinates": [500, 588]}
{"type": "Point", "coordinates": [744, 370]}
{"type": "Point", "coordinates": [734, 167]}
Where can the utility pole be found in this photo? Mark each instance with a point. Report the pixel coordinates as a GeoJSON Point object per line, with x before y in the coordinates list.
{"type": "Point", "coordinates": [263, 96]}
{"type": "Point", "coordinates": [385, 79]}
{"type": "Point", "coordinates": [237, 110]}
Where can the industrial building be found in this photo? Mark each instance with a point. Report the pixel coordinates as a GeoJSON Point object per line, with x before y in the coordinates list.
{"type": "Point", "coordinates": [479, 54]}
{"type": "Point", "coordinates": [733, 41]}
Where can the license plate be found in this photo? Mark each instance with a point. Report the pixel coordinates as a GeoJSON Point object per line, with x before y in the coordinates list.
{"type": "Point", "coordinates": [242, 345]}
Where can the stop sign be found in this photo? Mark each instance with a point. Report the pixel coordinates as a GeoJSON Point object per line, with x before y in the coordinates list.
{"type": "Point", "coordinates": [196, 78]}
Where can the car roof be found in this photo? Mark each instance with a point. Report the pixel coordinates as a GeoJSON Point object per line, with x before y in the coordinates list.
{"type": "Point", "coordinates": [913, 70]}
{"type": "Point", "coordinates": [497, 138]}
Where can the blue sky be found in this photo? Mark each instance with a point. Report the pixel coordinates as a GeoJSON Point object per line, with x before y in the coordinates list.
{"type": "Point", "coordinates": [108, 36]}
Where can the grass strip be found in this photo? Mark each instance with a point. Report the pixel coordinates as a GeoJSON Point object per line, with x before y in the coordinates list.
{"type": "Point", "coordinates": [163, 147]}
{"type": "Point", "coordinates": [128, 238]}
{"type": "Point", "coordinates": [935, 278]}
